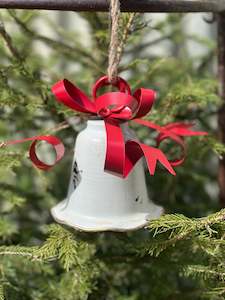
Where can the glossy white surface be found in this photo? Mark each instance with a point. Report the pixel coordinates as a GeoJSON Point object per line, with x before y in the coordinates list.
{"type": "Point", "coordinates": [102, 201]}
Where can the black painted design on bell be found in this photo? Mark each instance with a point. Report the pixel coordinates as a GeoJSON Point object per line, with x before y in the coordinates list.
{"type": "Point", "coordinates": [76, 175]}
{"type": "Point", "coordinates": [137, 199]}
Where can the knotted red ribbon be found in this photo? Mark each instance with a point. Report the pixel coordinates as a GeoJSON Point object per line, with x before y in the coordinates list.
{"type": "Point", "coordinates": [116, 108]}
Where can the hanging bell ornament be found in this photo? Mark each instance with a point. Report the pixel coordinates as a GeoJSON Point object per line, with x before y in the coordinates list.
{"type": "Point", "coordinates": [107, 188]}
{"type": "Point", "coordinates": [97, 200]}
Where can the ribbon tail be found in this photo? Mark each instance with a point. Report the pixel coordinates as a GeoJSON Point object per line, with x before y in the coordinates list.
{"type": "Point", "coordinates": [186, 132]}
{"type": "Point", "coordinates": [135, 150]}
{"type": "Point", "coordinates": [175, 132]}
{"type": "Point", "coordinates": [153, 155]}
{"type": "Point", "coordinates": [182, 129]}
{"type": "Point", "coordinates": [148, 124]}
{"type": "Point", "coordinates": [178, 128]}
{"type": "Point", "coordinates": [115, 149]}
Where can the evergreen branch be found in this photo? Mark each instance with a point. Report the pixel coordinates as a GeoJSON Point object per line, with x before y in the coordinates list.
{"type": "Point", "coordinates": [62, 245]}
{"type": "Point", "coordinates": [59, 245]}
{"type": "Point", "coordinates": [180, 228]}
{"type": "Point", "coordinates": [61, 126]}
{"type": "Point", "coordinates": [9, 42]}
{"type": "Point", "coordinates": [205, 272]}
{"type": "Point", "coordinates": [23, 69]}
{"type": "Point", "coordinates": [56, 45]}
{"type": "Point", "coordinates": [212, 143]}
{"type": "Point", "coordinates": [10, 159]}
{"type": "Point", "coordinates": [143, 46]}
{"type": "Point", "coordinates": [215, 292]}
{"type": "Point", "coordinates": [125, 34]}
{"type": "Point", "coordinates": [193, 95]}
{"type": "Point", "coordinates": [10, 200]}
{"type": "Point", "coordinates": [18, 251]}
{"type": "Point", "coordinates": [7, 228]}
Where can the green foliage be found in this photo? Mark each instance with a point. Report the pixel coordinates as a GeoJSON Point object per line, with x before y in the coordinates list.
{"type": "Point", "coordinates": [2, 293]}
{"type": "Point", "coordinates": [73, 255]}
{"type": "Point", "coordinates": [7, 228]}
{"type": "Point", "coordinates": [213, 144]}
{"type": "Point", "coordinates": [196, 246]}
{"type": "Point", "coordinates": [191, 96]}
{"type": "Point", "coordinates": [61, 244]}
{"type": "Point", "coordinates": [178, 256]}
{"type": "Point", "coordinates": [10, 201]}
{"type": "Point", "coordinates": [178, 227]}
{"type": "Point", "coordinates": [10, 159]}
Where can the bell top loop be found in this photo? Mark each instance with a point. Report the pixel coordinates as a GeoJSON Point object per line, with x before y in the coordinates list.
{"type": "Point", "coordinates": [120, 83]}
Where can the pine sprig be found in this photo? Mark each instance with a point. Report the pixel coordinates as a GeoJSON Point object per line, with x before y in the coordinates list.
{"type": "Point", "coordinates": [217, 293]}
{"type": "Point", "coordinates": [7, 228]}
{"type": "Point", "coordinates": [205, 272]}
{"type": "Point", "coordinates": [174, 228]}
{"type": "Point", "coordinates": [212, 143]}
{"type": "Point", "coordinates": [191, 95]}
{"type": "Point", "coordinates": [61, 244]}
{"type": "Point", "coordinates": [10, 159]}
{"type": "Point", "coordinates": [18, 251]}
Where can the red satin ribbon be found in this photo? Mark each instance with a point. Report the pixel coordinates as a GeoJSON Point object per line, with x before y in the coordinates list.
{"type": "Point", "coordinates": [116, 108]}
{"type": "Point", "coordinates": [52, 140]}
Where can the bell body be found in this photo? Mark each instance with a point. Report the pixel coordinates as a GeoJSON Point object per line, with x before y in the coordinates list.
{"type": "Point", "coordinates": [100, 201]}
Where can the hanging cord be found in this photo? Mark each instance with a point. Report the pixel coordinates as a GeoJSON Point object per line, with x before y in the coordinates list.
{"type": "Point", "coordinates": [114, 41]}
{"type": "Point", "coordinates": [116, 45]}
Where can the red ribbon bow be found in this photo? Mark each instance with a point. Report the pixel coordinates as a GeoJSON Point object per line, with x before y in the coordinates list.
{"type": "Point", "coordinates": [119, 107]}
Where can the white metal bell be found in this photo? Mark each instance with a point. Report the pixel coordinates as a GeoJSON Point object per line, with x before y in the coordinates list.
{"type": "Point", "coordinates": [97, 200]}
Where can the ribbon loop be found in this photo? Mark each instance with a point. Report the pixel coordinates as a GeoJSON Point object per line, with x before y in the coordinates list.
{"type": "Point", "coordinates": [72, 97]}
{"type": "Point", "coordinates": [179, 141]}
{"type": "Point", "coordinates": [120, 83]}
{"type": "Point", "coordinates": [57, 145]}
{"type": "Point", "coordinates": [52, 140]}
{"type": "Point", "coordinates": [146, 99]}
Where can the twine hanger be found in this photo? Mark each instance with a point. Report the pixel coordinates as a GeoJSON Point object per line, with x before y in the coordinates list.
{"type": "Point", "coordinates": [117, 43]}
{"type": "Point", "coordinates": [114, 57]}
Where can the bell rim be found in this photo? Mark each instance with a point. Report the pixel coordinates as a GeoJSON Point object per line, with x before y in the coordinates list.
{"type": "Point", "coordinates": [116, 226]}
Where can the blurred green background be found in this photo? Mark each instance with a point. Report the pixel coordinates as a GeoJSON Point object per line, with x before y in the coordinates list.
{"type": "Point", "coordinates": [165, 52]}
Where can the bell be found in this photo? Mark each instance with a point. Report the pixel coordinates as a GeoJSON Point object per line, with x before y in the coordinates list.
{"type": "Point", "coordinates": [100, 201]}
